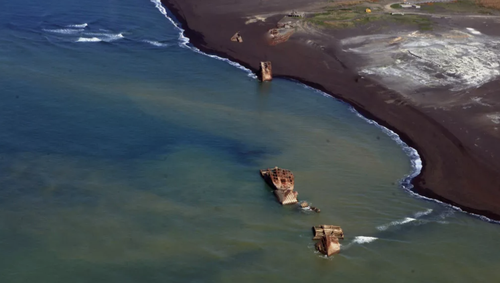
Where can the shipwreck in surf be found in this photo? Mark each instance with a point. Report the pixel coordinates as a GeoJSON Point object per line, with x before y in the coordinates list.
{"type": "Point", "coordinates": [328, 236]}
{"type": "Point", "coordinates": [282, 182]}
{"type": "Point", "coordinates": [328, 245]}
{"type": "Point", "coordinates": [266, 71]}
{"type": "Point", "coordinates": [327, 230]}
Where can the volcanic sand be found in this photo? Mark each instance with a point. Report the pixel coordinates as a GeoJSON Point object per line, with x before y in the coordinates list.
{"type": "Point", "coordinates": [456, 134]}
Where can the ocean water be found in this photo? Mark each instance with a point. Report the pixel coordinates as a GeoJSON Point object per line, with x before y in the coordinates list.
{"type": "Point", "coordinates": [126, 156]}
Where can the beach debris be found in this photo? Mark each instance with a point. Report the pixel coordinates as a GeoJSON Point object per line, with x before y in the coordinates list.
{"type": "Point", "coordinates": [328, 236]}
{"type": "Point", "coordinates": [285, 28]}
{"type": "Point", "coordinates": [328, 245]}
{"type": "Point", "coordinates": [273, 32]}
{"type": "Point", "coordinates": [266, 73]}
{"type": "Point", "coordinates": [305, 206]}
{"type": "Point", "coordinates": [237, 37]}
{"type": "Point", "coordinates": [279, 35]}
{"type": "Point", "coordinates": [282, 181]}
{"type": "Point", "coordinates": [327, 230]}
{"type": "Point", "coordinates": [296, 14]}
{"type": "Point", "coordinates": [289, 22]}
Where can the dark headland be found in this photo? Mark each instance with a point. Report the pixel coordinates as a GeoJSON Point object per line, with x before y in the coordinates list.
{"type": "Point", "coordinates": [456, 130]}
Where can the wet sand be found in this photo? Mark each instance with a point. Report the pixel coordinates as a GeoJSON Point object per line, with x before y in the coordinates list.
{"type": "Point", "coordinates": [459, 148]}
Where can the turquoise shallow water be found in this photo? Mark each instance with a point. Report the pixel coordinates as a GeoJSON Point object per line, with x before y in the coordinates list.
{"type": "Point", "coordinates": [127, 158]}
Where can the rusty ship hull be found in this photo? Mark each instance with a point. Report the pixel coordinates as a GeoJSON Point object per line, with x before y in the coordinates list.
{"type": "Point", "coordinates": [282, 181]}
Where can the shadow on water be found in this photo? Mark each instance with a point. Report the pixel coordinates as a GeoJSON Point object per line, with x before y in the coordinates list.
{"type": "Point", "coordinates": [124, 133]}
{"type": "Point", "coordinates": [264, 88]}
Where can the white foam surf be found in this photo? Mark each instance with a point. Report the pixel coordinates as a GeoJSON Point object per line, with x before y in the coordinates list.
{"type": "Point", "coordinates": [98, 37]}
{"type": "Point", "coordinates": [423, 213]}
{"type": "Point", "coordinates": [363, 239]}
{"type": "Point", "coordinates": [84, 25]}
{"type": "Point", "coordinates": [65, 31]}
{"type": "Point", "coordinates": [88, 39]}
{"type": "Point", "coordinates": [184, 41]}
{"type": "Point", "coordinates": [360, 240]}
{"type": "Point", "coordinates": [416, 216]}
{"type": "Point", "coordinates": [106, 36]}
{"type": "Point", "coordinates": [156, 43]}
{"type": "Point", "coordinates": [395, 223]}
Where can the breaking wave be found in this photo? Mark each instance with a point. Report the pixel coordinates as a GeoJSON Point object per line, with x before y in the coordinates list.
{"type": "Point", "coordinates": [98, 37]}
{"type": "Point", "coordinates": [184, 41]}
{"type": "Point", "coordinates": [360, 240]}
{"type": "Point", "coordinates": [416, 216]}
{"type": "Point", "coordinates": [423, 213]}
{"type": "Point", "coordinates": [88, 39]}
{"type": "Point", "coordinates": [156, 43]}
{"type": "Point", "coordinates": [363, 239]}
{"type": "Point", "coordinates": [395, 223]}
{"type": "Point", "coordinates": [84, 25]}
{"type": "Point", "coordinates": [79, 33]}
{"type": "Point", "coordinates": [65, 31]}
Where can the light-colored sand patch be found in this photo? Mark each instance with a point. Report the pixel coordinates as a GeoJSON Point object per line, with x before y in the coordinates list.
{"type": "Point", "coordinates": [479, 100]}
{"type": "Point", "coordinates": [255, 19]}
{"type": "Point", "coordinates": [494, 117]}
{"type": "Point", "coordinates": [473, 31]}
{"type": "Point", "coordinates": [454, 60]}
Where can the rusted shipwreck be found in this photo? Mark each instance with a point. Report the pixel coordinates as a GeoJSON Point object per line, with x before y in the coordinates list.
{"type": "Point", "coordinates": [265, 72]}
{"type": "Point", "coordinates": [327, 230]}
{"type": "Point", "coordinates": [279, 35]}
{"type": "Point", "coordinates": [282, 181]}
{"type": "Point", "coordinates": [328, 236]}
{"type": "Point", "coordinates": [237, 38]}
{"type": "Point", "coordinates": [328, 246]}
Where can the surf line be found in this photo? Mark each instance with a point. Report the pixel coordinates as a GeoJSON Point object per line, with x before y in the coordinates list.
{"type": "Point", "coordinates": [185, 43]}
{"type": "Point", "coordinates": [360, 240]}
{"type": "Point", "coordinates": [412, 153]}
{"type": "Point", "coordinates": [416, 161]}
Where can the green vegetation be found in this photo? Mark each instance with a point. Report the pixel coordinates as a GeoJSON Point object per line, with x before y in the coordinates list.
{"type": "Point", "coordinates": [423, 23]}
{"type": "Point", "coordinates": [460, 6]}
{"type": "Point", "coordinates": [396, 6]}
{"type": "Point", "coordinates": [345, 17]}
{"type": "Point", "coordinates": [356, 16]}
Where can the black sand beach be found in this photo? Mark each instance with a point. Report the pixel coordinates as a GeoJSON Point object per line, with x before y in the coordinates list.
{"type": "Point", "coordinates": [459, 148]}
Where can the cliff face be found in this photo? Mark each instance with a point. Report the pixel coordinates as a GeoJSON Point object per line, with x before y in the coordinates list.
{"type": "Point", "coordinates": [458, 144]}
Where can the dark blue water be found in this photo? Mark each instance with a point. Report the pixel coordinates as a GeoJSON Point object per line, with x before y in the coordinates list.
{"type": "Point", "coordinates": [127, 157]}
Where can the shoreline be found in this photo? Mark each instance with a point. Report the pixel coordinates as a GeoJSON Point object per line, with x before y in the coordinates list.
{"type": "Point", "coordinates": [415, 182]}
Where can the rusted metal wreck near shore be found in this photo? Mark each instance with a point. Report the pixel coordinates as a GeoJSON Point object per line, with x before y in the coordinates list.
{"type": "Point", "coordinates": [282, 181]}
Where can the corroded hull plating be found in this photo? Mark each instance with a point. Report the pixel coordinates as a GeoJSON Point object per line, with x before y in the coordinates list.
{"type": "Point", "coordinates": [282, 181]}
{"type": "Point", "coordinates": [328, 245]}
